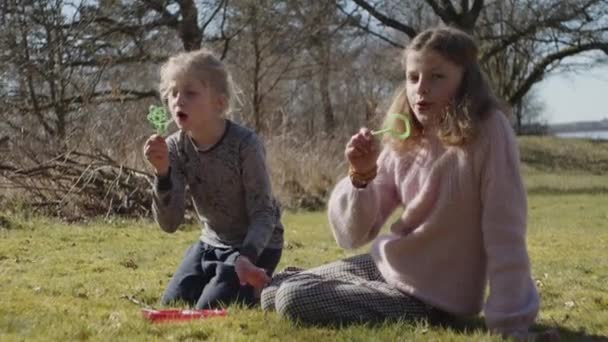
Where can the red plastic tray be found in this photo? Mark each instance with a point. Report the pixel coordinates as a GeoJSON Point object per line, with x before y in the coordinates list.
{"type": "Point", "coordinates": [178, 315]}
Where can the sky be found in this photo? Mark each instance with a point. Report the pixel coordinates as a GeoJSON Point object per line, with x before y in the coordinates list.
{"type": "Point", "coordinates": [575, 97]}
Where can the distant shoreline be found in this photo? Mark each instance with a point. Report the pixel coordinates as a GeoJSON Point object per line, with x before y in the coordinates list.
{"type": "Point", "coordinates": [580, 126]}
{"type": "Point", "coordinates": [593, 135]}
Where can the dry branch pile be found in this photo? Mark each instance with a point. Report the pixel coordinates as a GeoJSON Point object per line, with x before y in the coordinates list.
{"type": "Point", "coordinates": [75, 184]}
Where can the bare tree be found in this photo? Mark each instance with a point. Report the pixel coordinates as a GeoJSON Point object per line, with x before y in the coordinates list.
{"type": "Point", "coordinates": [192, 20]}
{"type": "Point", "coordinates": [265, 55]}
{"type": "Point", "coordinates": [521, 41]}
{"type": "Point", "coordinates": [78, 76]}
{"type": "Point", "coordinates": [321, 46]}
{"type": "Point", "coordinates": [61, 62]}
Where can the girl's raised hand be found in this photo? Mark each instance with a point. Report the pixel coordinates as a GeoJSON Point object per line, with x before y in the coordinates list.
{"type": "Point", "coordinates": [362, 151]}
{"type": "Point", "coordinates": [157, 154]}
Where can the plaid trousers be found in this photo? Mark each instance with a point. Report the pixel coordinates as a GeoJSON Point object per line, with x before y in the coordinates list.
{"type": "Point", "coordinates": [347, 291]}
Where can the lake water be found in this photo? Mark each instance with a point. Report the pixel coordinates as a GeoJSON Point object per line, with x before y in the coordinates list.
{"type": "Point", "coordinates": [596, 135]}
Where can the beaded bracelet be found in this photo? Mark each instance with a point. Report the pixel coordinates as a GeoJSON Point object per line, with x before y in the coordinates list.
{"type": "Point", "coordinates": [360, 180]}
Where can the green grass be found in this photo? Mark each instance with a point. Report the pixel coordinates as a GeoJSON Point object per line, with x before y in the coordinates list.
{"type": "Point", "coordinates": [68, 282]}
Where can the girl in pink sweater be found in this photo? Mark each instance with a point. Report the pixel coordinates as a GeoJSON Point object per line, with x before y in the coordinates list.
{"type": "Point", "coordinates": [463, 224]}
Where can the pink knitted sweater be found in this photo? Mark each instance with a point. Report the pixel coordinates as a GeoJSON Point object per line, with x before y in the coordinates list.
{"type": "Point", "coordinates": [463, 226]}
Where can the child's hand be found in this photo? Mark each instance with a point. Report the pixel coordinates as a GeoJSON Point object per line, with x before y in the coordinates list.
{"type": "Point", "coordinates": [362, 151]}
{"type": "Point", "coordinates": [157, 154]}
{"type": "Point", "coordinates": [249, 273]}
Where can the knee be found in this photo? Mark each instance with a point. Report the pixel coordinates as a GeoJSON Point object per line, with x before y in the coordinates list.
{"type": "Point", "coordinates": [186, 289]}
{"type": "Point", "coordinates": [267, 297]}
{"type": "Point", "coordinates": [291, 301]}
{"type": "Point", "coordinates": [170, 297]}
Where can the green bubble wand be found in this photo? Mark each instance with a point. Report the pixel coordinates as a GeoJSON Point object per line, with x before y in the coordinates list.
{"type": "Point", "coordinates": [389, 128]}
{"type": "Point", "coordinates": [160, 120]}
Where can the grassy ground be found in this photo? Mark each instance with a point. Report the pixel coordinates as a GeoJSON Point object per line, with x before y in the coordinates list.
{"type": "Point", "coordinates": [63, 282]}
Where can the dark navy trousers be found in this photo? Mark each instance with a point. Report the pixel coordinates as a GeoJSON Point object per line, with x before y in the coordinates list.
{"type": "Point", "coordinates": [204, 279]}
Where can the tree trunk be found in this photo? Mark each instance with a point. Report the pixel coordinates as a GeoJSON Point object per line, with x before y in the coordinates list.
{"type": "Point", "coordinates": [324, 85]}
{"type": "Point", "coordinates": [257, 119]}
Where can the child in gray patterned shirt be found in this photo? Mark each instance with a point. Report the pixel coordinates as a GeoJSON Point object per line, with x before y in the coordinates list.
{"type": "Point", "coordinates": [223, 165]}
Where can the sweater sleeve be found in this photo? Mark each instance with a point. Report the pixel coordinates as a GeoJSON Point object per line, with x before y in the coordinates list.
{"type": "Point", "coordinates": [169, 193]}
{"type": "Point", "coordinates": [356, 215]}
{"type": "Point", "coordinates": [258, 198]}
{"type": "Point", "coordinates": [512, 304]}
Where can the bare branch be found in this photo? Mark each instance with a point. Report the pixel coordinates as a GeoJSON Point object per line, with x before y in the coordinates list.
{"type": "Point", "coordinates": [555, 21]}
{"type": "Point", "coordinates": [442, 13]}
{"type": "Point", "coordinates": [170, 21]}
{"type": "Point", "coordinates": [411, 32]}
{"type": "Point", "coordinates": [106, 96]}
{"type": "Point", "coordinates": [507, 41]}
{"type": "Point", "coordinates": [464, 5]}
{"type": "Point", "coordinates": [223, 4]}
{"type": "Point", "coordinates": [159, 7]}
{"type": "Point", "coordinates": [449, 8]}
{"type": "Point", "coordinates": [539, 69]}
{"type": "Point", "coordinates": [475, 11]}
{"type": "Point", "coordinates": [93, 184]}
{"type": "Point", "coordinates": [188, 29]}
{"type": "Point", "coordinates": [356, 23]}
{"type": "Point", "coordinates": [114, 61]}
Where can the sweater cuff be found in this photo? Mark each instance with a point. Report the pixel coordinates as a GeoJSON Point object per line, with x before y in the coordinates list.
{"type": "Point", "coordinates": [250, 252]}
{"type": "Point", "coordinates": [163, 183]}
{"type": "Point", "coordinates": [231, 259]}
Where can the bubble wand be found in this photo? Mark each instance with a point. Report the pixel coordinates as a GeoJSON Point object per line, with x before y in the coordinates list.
{"type": "Point", "coordinates": [157, 116]}
{"type": "Point", "coordinates": [388, 128]}
{"type": "Point", "coordinates": [174, 315]}
{"type": "Point", "coordinates": [180, 315]}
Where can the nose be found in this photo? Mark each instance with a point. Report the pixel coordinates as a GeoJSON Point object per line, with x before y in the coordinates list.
{"type": "Point", "coordinates": [423, 86]}
{"type": "Point", "coordinates": [180, 99]}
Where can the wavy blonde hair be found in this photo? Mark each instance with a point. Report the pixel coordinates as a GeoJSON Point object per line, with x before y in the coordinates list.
{"type": "Point", "coordinates": [201, 65]}
{"type": "Point", "coordinates": [474, 98]}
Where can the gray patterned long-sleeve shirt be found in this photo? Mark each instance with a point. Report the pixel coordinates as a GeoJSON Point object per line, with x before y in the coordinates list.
{"type": "Point", "coordinates": [230, 188]}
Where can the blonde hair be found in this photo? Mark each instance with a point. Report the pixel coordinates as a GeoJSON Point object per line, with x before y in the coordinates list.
{"type": "Point", "coordinates": [201, 65]}
{"type": "Point", "coordinates": [474, 98]}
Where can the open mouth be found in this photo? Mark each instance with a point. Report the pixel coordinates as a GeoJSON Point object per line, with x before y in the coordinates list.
{"type": "Point", "coordinates": [181, 116]}
{"type": "Point", "coordinates": [423, 105]}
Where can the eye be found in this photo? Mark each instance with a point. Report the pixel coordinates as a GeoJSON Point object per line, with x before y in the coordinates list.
{"type": "Point", "coordinates": [173, 92]}
{"type": "Point", "coordinates": [437, 76]}
{"type": "Point", "coordinates": [190, 92]}
{"type": "Point", "coordinates": [412, 78]}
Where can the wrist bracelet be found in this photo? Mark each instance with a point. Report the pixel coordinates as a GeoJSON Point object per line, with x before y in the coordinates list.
{"type": "Point", "coordinates": [360, 180]}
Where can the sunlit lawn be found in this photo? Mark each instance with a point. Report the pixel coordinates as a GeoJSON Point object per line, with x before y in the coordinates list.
{"type": "Point", "coordinates": [62, 282]}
